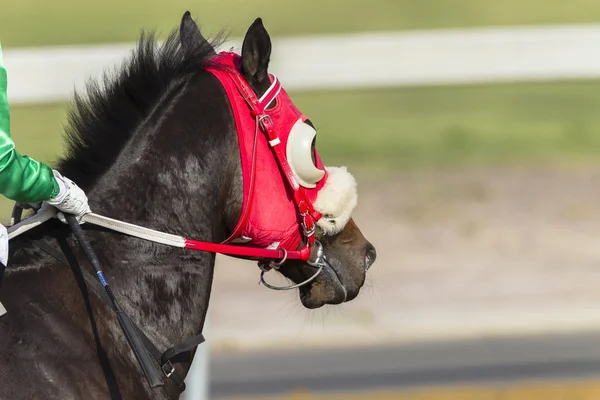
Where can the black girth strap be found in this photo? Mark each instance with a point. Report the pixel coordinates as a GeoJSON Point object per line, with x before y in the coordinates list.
{"type": "Point", "coordinates": [166, 359]}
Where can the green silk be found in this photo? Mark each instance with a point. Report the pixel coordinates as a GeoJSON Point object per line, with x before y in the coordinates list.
{"type": "Point", "coordinates": [21, 178]}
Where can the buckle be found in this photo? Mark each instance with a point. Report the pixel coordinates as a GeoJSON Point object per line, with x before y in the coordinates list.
{"type": "Point", "coordinates": [308, 221]}
{"type": "Point", "coordinates": [261, 121]}
{"type": "Point", "coordinates": [319, 259]}
{"type": "Point", "coordinates": [170, 366]}
{"type": "Point", "coordinates": [309, 232]}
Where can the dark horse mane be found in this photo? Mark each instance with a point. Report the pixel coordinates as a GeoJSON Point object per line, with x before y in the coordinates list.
{"type": "Point", "coordinates": [100, 124]}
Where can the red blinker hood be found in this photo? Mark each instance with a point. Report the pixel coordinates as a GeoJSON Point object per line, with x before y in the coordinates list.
{"type": "Point", "coordinates": [270, 216]}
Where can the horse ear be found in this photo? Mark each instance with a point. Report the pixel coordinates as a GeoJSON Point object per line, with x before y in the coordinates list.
{"type": "Point", "coordinates": [189, 33]}
{"type": "Point", "coordinates": [256, 52]}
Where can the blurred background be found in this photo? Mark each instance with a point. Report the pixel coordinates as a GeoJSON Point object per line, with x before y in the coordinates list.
{"type": "Point", "coordinates": [473, 128]}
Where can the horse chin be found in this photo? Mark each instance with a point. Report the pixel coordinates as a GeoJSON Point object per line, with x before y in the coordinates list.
{"type": "Point", "coordinates": [329, 287]}
{"type": "Point", "coordinates": [324, 289]}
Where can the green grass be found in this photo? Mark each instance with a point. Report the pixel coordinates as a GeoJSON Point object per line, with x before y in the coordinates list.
{"type": "Point", "coordinates": [489, 125]}
{"type": "Point", "coordinates": [42, 22]}
{"type": "Point", "coordinates": [417, 127]}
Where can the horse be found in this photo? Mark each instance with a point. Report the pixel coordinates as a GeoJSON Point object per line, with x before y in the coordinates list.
{"type": "Point", "coordinates": [157, 145]}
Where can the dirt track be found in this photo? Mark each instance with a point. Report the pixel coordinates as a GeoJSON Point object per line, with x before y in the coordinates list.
{"type": "Point", "coordinates": [459, 254]}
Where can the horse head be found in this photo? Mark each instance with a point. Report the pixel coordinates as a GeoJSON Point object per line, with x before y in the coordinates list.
{"type": "Point", "coordinates": [270, 219]}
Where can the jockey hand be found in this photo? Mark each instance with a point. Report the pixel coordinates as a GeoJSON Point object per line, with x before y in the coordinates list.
{"type": "Point", "coordinates": [70, 199]}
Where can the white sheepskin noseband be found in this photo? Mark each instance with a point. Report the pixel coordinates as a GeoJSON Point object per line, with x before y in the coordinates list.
{"type": "Point", "coordinates": [337, 200]}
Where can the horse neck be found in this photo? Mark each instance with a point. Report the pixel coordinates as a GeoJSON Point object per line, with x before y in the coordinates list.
{"type": "Point", "coordinates": [180, 174]}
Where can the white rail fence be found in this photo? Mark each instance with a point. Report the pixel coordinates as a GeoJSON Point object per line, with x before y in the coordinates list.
{"type": "Point", "coordinates": [363, 60]}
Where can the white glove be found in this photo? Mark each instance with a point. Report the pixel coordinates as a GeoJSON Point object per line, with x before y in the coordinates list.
{"type": "Point", "coordinates": [3, 246]}
{"type": "Point", "coordinates": [70, 199]}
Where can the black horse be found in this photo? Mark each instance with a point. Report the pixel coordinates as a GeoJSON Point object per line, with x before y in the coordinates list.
{"type": "Point", "coordinates": [155, 146]}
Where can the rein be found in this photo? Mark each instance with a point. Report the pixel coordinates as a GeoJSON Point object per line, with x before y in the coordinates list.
{"type": "Point", "coordinates": [19, 227]}
{"type": "Point", "coordinates": [152, 361]}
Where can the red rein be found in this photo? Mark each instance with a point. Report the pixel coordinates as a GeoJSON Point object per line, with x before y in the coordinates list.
{"type": "Point", "coordinates": [252, 252]}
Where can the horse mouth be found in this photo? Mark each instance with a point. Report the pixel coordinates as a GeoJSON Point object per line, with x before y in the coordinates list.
{"type": "Point", "coordinates": [326, 288]}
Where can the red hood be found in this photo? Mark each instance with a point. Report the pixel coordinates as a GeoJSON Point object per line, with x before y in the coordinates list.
{"type": "Point", "coordinates": [269, 215]}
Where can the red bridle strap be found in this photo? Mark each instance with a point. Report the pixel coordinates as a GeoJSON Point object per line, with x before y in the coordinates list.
{"type": "Point", "coordinates": [274, 254]}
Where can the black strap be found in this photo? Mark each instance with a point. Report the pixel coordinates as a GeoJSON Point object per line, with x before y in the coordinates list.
{"type": "Point", "coordinates": [181, 348]}
{"type": "Point", "coordinates": [166, 359]}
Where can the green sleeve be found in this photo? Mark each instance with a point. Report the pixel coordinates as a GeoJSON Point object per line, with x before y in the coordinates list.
{"type": "Point", "coordinates": [21, 178]}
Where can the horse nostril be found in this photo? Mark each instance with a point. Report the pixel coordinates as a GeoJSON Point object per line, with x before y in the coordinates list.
{"type": "Point", "coordinates": [370, 256]}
